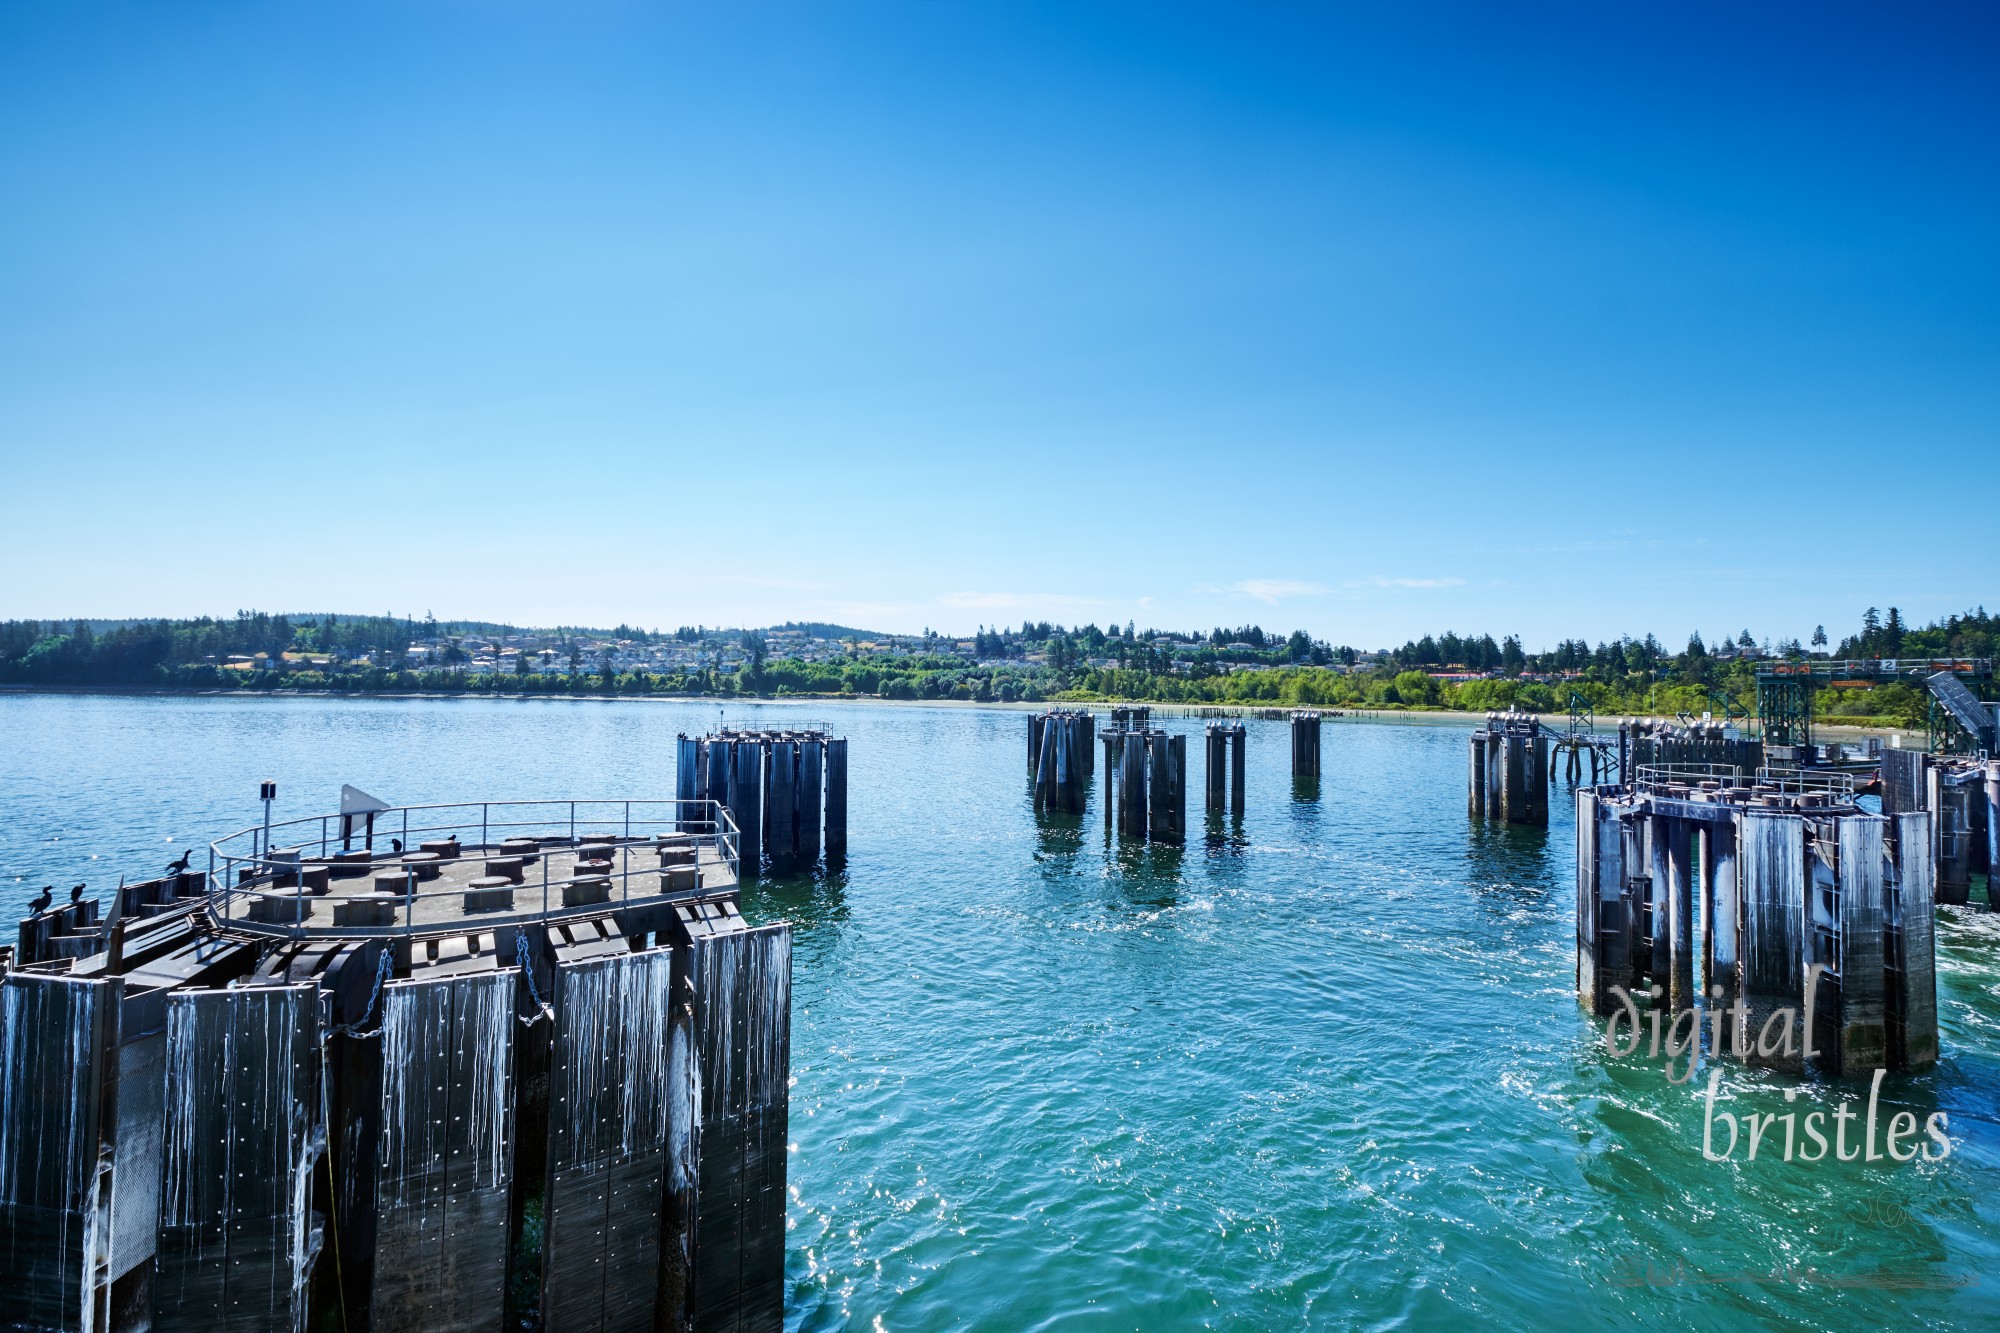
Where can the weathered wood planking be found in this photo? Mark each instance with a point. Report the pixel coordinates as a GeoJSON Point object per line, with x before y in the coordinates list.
{"type": "Point", "coordinates": [135, 1202]}
{"type": "Point", "coordinates": [444, 1154]}
{"type": "Point", "coordinates": [1773, 864]}
{"type": "Point", "coordinates": [739, 984]}
{"type": "Point", "coordinates": [607, 1153]}
{"type": "Point", "coordinates": [57, 1037]}
{"type": "Point", "coordinates": [1911, 967]}
{"type": "Point", "coordinates": [237, 1237]}
{"type": "Point", "coordinates": [1858, 1038]}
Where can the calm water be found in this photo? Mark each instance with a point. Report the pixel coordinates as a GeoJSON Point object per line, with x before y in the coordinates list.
{"type": "Point", "coordinates": [1325, 1070]}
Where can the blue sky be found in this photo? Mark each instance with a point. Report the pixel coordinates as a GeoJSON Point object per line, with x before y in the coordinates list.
{"type": "Point", "coordinates": [1552, 319]}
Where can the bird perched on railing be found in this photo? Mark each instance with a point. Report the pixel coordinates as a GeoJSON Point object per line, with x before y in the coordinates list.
{"type": "Point", "coordinates": [396, 844]}
{"type": "Point", "coordinates": [43, 899]}
{"type": "Point", "coordinates": [76, 893]}
{"type": "Point", "coordinates": [180, 867]}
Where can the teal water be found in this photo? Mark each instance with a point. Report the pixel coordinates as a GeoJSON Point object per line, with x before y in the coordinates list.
{"type": "Point", "coordinates": [1324, 1070]}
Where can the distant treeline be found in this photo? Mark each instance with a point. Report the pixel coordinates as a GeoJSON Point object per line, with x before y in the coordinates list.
{"type": "Point", "coordinates": [1038, 661]}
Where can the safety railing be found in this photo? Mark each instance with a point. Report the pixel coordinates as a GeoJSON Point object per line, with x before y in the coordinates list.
{"type": "Point", "coordinates": [267, 879]}
{"type": "Point", "coordinates": [1807, 782]}
{"type": "Point", "coordinates": [1660, 777]}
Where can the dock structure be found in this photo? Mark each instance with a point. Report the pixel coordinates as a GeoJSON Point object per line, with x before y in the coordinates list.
{"type": "Point", "coordinates": [1060, 752]}
{"type": "Point", "coordinates": [1961, 794]}
{"type": "Point", "coordinates": [1647, 744]}
{"type": "Point", "coordinates": [1813, 914]}
{"type": "Point", "coordinates": [1305, 744]}
{"type": "Point", "coordinates": [1145, 779]}
{"type": "Point", "coordinates": [1226, 749]}
{"type": "Point", "coordinates": [1508, 777]}
{"type": "Point", "coordinates": [786, 788]}
{"type": "Point", "coordinates": [521, 1065]}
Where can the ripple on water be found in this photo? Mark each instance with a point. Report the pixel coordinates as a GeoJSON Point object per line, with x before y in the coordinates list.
{"type": "Point", "coordinates": [1324, 1070]}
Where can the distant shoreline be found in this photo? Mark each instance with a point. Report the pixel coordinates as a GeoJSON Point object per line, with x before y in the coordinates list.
{"type": "Point", "coordinates": [1389, 716]}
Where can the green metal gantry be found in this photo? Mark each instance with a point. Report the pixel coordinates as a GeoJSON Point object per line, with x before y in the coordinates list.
{"type": "Point", "coordinates": [1784, 709]}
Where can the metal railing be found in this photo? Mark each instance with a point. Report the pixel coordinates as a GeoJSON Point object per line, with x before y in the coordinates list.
{"type": "Point", "coordinates": [1807, 781]}
{"type": "Point", "coordinates": [1659, 777]}
{"type": "Point", "coordinates": [266, 862]}
{"type": "Point", "coordinates": [735, 727]}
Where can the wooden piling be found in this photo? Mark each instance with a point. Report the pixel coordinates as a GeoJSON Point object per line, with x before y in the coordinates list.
{"type": "Point", "coordinates": [1607, 915]}
{"type": "Point", "coordinates": [443, 1154]}
{"type": "Point", "coordinates": [1132, 786]}
{"type": "Point", "coordinates": [781, 786]}
{"type": "Point", "coordinates": [1847, 917]}
{"type": "Point", "coordinates": [1475, 783]}
{"type": "Point", "coordinates": [836, 801]}
{"type": "Point", "coordinates": [1722, 899]}
{"type": "Point", "coordinates": [1305, 745]}
{"type": "Point", "coordinates": [810, 798]}
{"type": "Point", "coordinates": [59, 1040]}
{"type": "Point", "coordinates": [1679, 892]}
{"type": "Point", "coordinates": [1238, 742]}
{"type": "Point", "coordinates": [237, 1147]}
{"type": "Point", "coordinates": [609, 1148]}
{"type": "Point", "coordinates": [1909, 965]}
{"type": "Point", "coordinates": [1514, 778]}
{"type": "Point", "coordinates": [726, 1201]}
{"type": "Point", "coordinates": [745, 771]}
{"type": "Point", "coordinates": [1216, 737]}
{"type": "Point", "coordinates": [1773, 860]}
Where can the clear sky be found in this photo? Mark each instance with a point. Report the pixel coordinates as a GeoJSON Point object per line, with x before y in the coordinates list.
{"type": "Point", "coordinates": [1558, 319]}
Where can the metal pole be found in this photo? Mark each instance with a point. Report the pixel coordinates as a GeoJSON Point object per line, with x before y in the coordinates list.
{"type": "Point", "coordinates": [482, 824]}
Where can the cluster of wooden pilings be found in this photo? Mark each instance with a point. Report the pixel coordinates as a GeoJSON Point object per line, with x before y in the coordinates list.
{"type": "Point", "coordinates": [1305, 744]}
{"type": "Point", "coordinates": [1226, 751]}
{"type": "Point", "coordinates": [1145, 788]}
{"type": "Point", "coordinates": [1961, 795]}
{"type": "Point", "coordinates": [1647, 743]}
{"type": "Point", "coordinates": [1508, 779]}
{"type": "Point", "coordinates": [1806, 904]}
{"type": "Point", "coordinates": [577, 1121]}
{"type": "Point", "coordinates": [785, 787]}
{"type": "Point", "coordinates": [1061, 746]}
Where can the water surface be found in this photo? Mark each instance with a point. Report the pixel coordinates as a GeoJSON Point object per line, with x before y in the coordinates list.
{"type": "Point", "coordinates": [1322, 1069]}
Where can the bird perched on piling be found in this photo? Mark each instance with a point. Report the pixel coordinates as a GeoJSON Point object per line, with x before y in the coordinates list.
{"type": "Point", "coordinates": [43, 899]}
{"type": "Point", "coordinates": [76, 893]}
{"type": "Point", "coordinates": [180, 867]}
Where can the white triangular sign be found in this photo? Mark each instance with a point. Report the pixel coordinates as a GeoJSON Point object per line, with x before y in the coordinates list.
{"type": "Point", "coordinates": [354, 801]}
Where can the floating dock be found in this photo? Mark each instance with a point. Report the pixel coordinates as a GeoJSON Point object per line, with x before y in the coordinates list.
{"type": "Point", "coordinates": [521, 1065]}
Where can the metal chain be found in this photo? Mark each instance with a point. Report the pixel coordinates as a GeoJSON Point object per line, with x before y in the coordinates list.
{"type": "Point", "coordinates": [542, 1007]}
{"type": "Point", "coordinates": [385, 965]}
